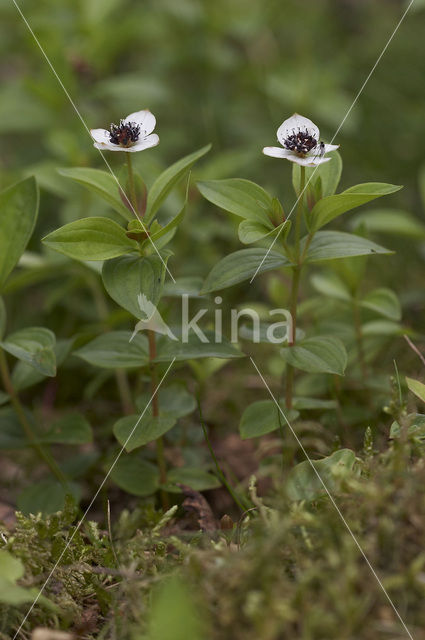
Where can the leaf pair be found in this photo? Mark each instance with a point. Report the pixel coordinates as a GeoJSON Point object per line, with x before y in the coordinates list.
{"type": "Point", "coordinates": [137, 476]}
{"type": "Point", "coordinates": [100, 238]}
{"type": "Point", "coordinates": [262, 215]}
{"type": "Point", "coordinates": [326, 245]}
{"type": "Point", "coordinates": [260, 223]}
{"type": "Point", "coordinates": [118, 349]}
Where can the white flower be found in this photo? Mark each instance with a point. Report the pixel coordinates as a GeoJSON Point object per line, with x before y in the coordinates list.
{"type": "Point", "coordinates": [134, 133]}
{"type": "Point", "coordinates": [299, 138]}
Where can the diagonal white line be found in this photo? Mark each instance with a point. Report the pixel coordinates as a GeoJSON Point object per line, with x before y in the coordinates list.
{"type": "Point", "coordinates": [336, 133]}
{"type": "Point", "coordinates": [332, 500]}
{"type": "Point", "coordinates": [74, 106]}
{"type": "Point", "coordinates": [77, 528]}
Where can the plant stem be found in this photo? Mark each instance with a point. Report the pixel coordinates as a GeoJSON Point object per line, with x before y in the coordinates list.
{"type": "Point", "coordinates": [120, 375]}
{"type": "Point", "coordinates": [131, 185]}
{"type": "Point", "coordinates": [299, 214]}
{"type": "Point", "coordinates": [124, 391]}
{"type": "Point", "coordinates": [296, 275]}
{"type": "Point", "coordinates": [160, 457]}
{"type": "Point", "coordinates": [44, 454]}
{"type": "Point", "coordinates": [155, 412]}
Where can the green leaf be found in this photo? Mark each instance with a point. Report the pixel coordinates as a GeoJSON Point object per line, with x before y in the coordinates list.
{"type": "Point", "coordinates": [331, 207]}
{"type": "Point", "coordinates": [416, 387]}
{"type": "Point", "coordinates": [168, 179]}
{"type": "Point", "coordinates": [176, 613]}
{"type": "Point", "coordinates": [14, 595]}
{"type": "Point", "coordinates": [128, 277]}
{"type": "Point", "coordinates": [170, 226]}
{"type": "Point", "coordinates": [72, 429]}
{"type": "Point", "coordinates": [389, 221]}
{"type": "Point", "coordinates": [267, 333]}
{"type": "Point", "coordinates": [3, 318]}
{"type": "Point", "coordinates": [330, 284]}
{"type": "Point", "coordinates": [174, 401]}
{"type": "Point", "coordinates": [330, 245]}
{"type": "Point", "coordinates": [207, 368]}
{"type": "Point", "coordinates": [415, 424]}
{"type": "Point", "coordinates": [115, 351]}
{"type": "Point", "coordinates": [196, 479]}
{"type": "Point", "coordinates": [166, 233]}
{"type": "Point", "coordinates": [90, 239]}
{"type": "Point", "coordinates": [382, 328]}
{"type": "Point", "coordinates": [189, 285]}
{"type": "Point", "coordinates": [11, 568]}
{"type": "Point", "coordinates": [250, 231]}
{"type": "Point", "coordinates": [148, 428]}
{"type": "Point", "coordinates": [69, 429]}
{"type": "Point", "coordinates": [24, 375]}
{"type": "Point", "coordinates": [102, 183]}
{"type": "Point", "coordinates": [45, 497]}
{"type": "Point", "coordinates": [383, 301]}
{"type": "Point", "coordinates": [240, 197]}
{"type": "Point", "coordinates": [77, 465]}
{"type": "Point", "coordinates": [263, 417]}
{"type": "Point", "coordinates": [302, 403]}
{"type": "Point", "coordinates": [326, 176]}
{"type": "Point", "coordinates": [34, 345]}
{"type": "Point", "coordinates": [304, 484]}
{"type": "Point", "coordinates": [321, 354]}
{"type": "Point", "coordinates": [242, 265]}
{"type": "Point", "coordinates": [18, 215]}
{"type": "Point", "coordinates": [135, 475]}
{"type": "Point", "coordinates": [195, 348]}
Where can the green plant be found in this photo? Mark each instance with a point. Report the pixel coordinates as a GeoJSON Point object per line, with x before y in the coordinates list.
{"type": "Point", "coordinates": [133, 274]}
{"type": "Point", "coordinates": [282, 244]}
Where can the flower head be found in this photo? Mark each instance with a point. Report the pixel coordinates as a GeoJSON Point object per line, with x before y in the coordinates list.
{"type": "Point", "coordinates": [133, 133]}
{"type": "Point", "coordinates": [299, 138]}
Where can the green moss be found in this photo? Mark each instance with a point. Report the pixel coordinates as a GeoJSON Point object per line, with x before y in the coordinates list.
{"type": "Point", "coordinates": [292, 570]}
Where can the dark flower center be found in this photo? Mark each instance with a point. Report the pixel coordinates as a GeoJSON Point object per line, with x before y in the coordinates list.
{"type": "Point", "coordinates": [124, 134]}
{"type": "Point", "coordinates": [301, 142]}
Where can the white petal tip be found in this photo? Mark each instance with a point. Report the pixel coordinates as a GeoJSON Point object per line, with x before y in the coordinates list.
{"type": "Point", "coordinates": [275, 152]}
{"type": "Point", "coordinates": [331, 147]}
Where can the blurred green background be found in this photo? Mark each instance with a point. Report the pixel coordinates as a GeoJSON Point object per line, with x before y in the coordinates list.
{"type": "Point", "coordinates": [227, 72]}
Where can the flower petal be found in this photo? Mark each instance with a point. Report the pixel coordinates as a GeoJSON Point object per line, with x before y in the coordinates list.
{"type": "Point", "coordinates": [146, 143]}
{"type": "Point", "coordinates": [331, 147]}
{"type": "Point", "coordinates": [309, 161]}
{"type": "Point", "coordinates": [294, 124]}
{"type": "Point", "coordinates": [145, 119]}
{"type": "Point", "coordinates": [149, 141]}
{"type": "Point", "coordinates": [100, 135]}
{"type": "Point", "coordinates": [276, 152]}
{"type": "Point", "coordinates": [317, 152]}
{"type": "Point", "coordinates": [108, 146]}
